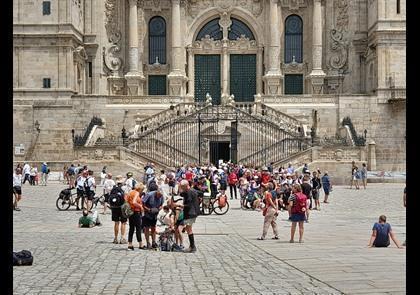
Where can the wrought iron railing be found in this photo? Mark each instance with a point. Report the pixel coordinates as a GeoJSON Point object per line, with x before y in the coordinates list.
{"type": "Point", "coordinates": [80, 140]}
{"type": "Point", "coordinates": [358, 140]}
{"type": "Point", "coordinates": [277, 151]}
{"type": "Point", "coordinates": [334, 141]}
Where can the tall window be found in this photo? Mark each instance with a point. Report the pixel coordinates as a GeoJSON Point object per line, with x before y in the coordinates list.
{"type": "Point", "coordinates": [238, 28]}
{"type": "Point", "coordinates": [157, 40]}
{"type": "Point", "coordinates": [212, 28]}
{"type": "Point", "coordinates": [293, 39]}
{"type": "Point", "coordinates": [398, 6]}
{"type": "Point", "coordinates": [46, 8]}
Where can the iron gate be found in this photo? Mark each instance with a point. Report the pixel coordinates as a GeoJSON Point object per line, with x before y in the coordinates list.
{"type": "Point", "coordinates": [193, 138]}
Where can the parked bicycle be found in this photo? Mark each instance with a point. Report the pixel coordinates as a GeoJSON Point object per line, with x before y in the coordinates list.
{"type": "Point", "coordinates": [218, 205]}
{"type": "Point", "coordinates": [68, 198]}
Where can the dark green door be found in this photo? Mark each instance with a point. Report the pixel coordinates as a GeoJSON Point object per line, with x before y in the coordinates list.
{"type": "Point", "coordinates": [207, 77]}
{"type": "Point", "coordinates": [243, 76]}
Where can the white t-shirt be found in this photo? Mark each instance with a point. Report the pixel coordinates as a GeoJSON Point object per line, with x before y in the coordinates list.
{"type": "Point", "coordinates": [108, 185]}
{"type": "Point", "coordinates": [17, 179]}
{"type": "Point", "coordinates": [80, 182]}
{"type": "Point", "coordinates": [91, 183]}
{"type": "Point", "coordinates": [128, 185]}
{"type": "Point", "coordinates": [26, 169]}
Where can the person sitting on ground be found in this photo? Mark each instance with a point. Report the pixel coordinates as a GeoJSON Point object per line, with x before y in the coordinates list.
{"type": "Point", "coordinates": [381, 232]}
{"type": "Point", "coordinates": [89, 221]}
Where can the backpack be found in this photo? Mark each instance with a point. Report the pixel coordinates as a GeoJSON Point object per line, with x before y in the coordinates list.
{"type": "Point", "coordinates": [126, 210]}
{"type": "Point", "coordinates": [222, 201]}
{"type": "Point", "coordinates": [300, 206]}
{"type": "Point", "coordinates": [116, 197]}
{"type": "Point", "coordinates": [166, 242]}
{"type": "Point", "coordinates": [86, 185]}
{"type": "Point", "coordinates": [23, 257]}
{"type": "Point", "coordinates": [152, 185]}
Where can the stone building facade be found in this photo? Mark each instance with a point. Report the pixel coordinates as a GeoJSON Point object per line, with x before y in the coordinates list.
{"type": "Point", "coordinates": [315, 60]}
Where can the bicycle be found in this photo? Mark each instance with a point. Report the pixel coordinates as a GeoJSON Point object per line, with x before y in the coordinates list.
{"type": "Point", "coordinates": [209, 206]}
{"type": "Point", "coordinates": [99, 199]}
{"type": "Point", "coordinates": [67, 199]}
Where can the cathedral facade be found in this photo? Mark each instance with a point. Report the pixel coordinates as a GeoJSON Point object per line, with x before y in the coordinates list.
{"type": "Point", "coordinates": [125, 61]}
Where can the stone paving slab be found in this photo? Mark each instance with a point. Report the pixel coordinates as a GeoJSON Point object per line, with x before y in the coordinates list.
{"type": "Point", "coordinates": [333, 260]}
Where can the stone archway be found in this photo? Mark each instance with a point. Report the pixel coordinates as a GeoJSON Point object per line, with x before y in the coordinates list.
{"type": "Point", "coordinates": [224, 48]}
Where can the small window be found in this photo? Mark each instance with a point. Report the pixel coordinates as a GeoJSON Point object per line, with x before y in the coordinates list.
{"type": "Point", "coordinates": [90, 69]}
{"type": "Point", "coordinates": [157, 85]}
{"type": "Point", "coordinates": [46, 8]}
{"type": "Point", "coordinates": [398, 6]}
{"type": "Point", "coordinates": [293, 84]}
{"type": "Point", "coordinates": [46, 83]}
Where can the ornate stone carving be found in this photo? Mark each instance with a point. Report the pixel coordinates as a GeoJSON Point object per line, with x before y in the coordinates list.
{"type": "Point", "coordinates": [194, 7]}
{"type": "Point", "coordinates": [112, 60]}
{"type": "Point", "coordinates": [294, 4]}
{"type": "Point", "coordinates": [225, 22]}
{"type": "Point", "coordinates": [99, 154]}
{"type": "Point", "coordinates": [79, 54]}
{"type": "Point", "coordinates": [243, 43]}
{"type": "Point", "coordinates": [338, 38]}
{"type": "Point", "coordinates": [294, 68]}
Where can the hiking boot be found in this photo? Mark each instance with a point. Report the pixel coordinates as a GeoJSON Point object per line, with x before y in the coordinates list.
{"type": "Point", "coordinates": [123, 241]}
{"type": "Point", "coordinates": [190, 250]}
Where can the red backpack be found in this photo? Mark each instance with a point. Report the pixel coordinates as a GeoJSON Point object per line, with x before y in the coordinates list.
{"type": "Point", "coordinates": [299, 205]}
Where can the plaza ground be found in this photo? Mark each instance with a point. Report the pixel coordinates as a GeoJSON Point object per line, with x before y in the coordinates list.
{"type": "Point", "coordinates": [334, 258]}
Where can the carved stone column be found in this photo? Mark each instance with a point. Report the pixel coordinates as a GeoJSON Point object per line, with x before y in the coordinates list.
{"type": "Point", "coordinates": [317, 75]}
{"type": "Point", "coordinates": [273, 78]}
{"type": "Point", "coordinates": [134, 77]}
{"type": "Point", "coordinates": [259, 69]}
{"type": "Point", "coordinates": [190, 95]}
{"type": "Point", "coordinates": [225, 71]}
{"type": "Point", "coordinates": [176, 77]}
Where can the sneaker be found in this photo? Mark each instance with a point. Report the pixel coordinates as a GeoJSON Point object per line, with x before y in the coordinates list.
{"type": "Point", "coordinates": [123, 241]}
{"type": "Point", "coordinates": [17, 209]}
{"type": "Point", "coordinates": [260, 238]}
{"type": "Point", "coordinates": [181, 247]}
{"type": "Point", "coordinates": [115, 241]}
{"type": "Point", "coordinates": [291, 241]}
{"type": "Point", "coordinates": [190, 250]}
{"type": "Point", "coordinates": [154, 245]}
{"type": "Point", "coordinates": [275, 238]}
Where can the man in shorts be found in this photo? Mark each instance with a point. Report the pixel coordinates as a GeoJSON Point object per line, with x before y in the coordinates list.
{"type": "Point", "coordinates": [152, 204]}
{"type": "Point", "coordinates": [17, 188]}
{"type": "Point", "coordinates": [116, 199]}
{"type": "Point", "coordinates": [191, 209]}
{"type": "Point", "coordinates": [90, 189]}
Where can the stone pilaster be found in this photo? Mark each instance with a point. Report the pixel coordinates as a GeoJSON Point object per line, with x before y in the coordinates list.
{"type": "Point", "coordinates": [317, 75]}
{"type": "Point", "coordinates": [225, 71]}
{"type": "Point", "coordinates": [176, 77]}
{"type": "Point", "coordinates": [190, 94]}
{"type": "Point", "coordinates": [273, 77]}
{"type": "Point", "coordinates": [135, 78]}
{"type": "Point", "coordinates": [371, 165]}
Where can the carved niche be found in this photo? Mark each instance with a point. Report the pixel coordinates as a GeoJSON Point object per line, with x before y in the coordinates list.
{"type": "Point", "coordinates": [112, 52]}
{"type": "Point", "coordinates": [294, 4]}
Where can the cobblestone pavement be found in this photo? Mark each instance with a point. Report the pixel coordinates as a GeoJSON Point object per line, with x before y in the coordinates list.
{"type": "Point", "coordinates": [333, 259]}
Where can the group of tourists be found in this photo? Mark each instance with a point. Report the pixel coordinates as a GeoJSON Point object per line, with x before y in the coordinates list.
{"type": "Point", "coordinates": [358, 176]}
{"type": "Point", "coordinates": [29, 173]}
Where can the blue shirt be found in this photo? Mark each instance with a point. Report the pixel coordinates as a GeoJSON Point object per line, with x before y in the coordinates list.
{"type": "Point", "coordinates": [325, 181]}
{"type": "Point", "coordinates": [151, 201]}
{"type": "Point", "coordinates": [382, 234]}
{"type": "Point", "coordinates": [44, 168]}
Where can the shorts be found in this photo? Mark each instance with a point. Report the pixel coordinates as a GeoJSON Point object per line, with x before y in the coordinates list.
{"type": "Point", "coordinates": [117, 215]}
{"type": "Point", "coordinates": [80, 192]}
{"type": "Point", "coordinates": [326, 191]}
{"type": "Point", "coordinates": [189, 221]}
{"type": "Point", "coordinates": [147, 222]}
{"type": "Point", "coordinates": [17, 190]}
{"type": "Point", "coordinates": [90, 195]}
{"type": "Point", "coordinates": [315, 194]}
{"type": "Point", "coordinates": [297, 217]}
{"type": "Point", "coordinates": [106, 196]}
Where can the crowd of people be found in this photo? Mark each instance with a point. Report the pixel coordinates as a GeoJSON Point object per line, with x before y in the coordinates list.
{"type": "Point", "coordinates": [174, 198]}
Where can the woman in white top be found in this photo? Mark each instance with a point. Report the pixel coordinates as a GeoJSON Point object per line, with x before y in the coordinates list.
{"type": "Point", "coordinates": [109, 183]}
{"type": "Point", "coordinates": [103, 175]}
{"type": "Point", "coordinates": [17, 187]}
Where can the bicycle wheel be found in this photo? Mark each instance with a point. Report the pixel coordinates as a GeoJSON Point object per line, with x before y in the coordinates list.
{"type": "Point", "coordinates": [220, 210]}
{"type": "Point", "coordinates": [206, 210]}
{"type": "Point", "coordinates": [63, 204]}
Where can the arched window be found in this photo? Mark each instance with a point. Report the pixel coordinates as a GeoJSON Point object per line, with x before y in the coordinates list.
{"type": "Point", "coordinates": [239, 28]}
{"type": "Point", "coordinates": [293, 39]}
{"type": "Point", "coordinates": [157, 40]}
{"type": "Point", "coordinates": [212, 28]}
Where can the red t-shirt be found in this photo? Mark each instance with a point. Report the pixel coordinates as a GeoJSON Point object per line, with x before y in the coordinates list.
{"type": "Point", "coordinates": [265, 178]}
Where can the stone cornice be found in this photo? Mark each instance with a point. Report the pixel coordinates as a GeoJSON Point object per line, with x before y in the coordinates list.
{"type": "Point", "coordinates": [33, 30]}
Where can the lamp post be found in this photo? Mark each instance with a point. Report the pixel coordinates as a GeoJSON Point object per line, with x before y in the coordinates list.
{"type": "Point", "coordinates": [365, 132]}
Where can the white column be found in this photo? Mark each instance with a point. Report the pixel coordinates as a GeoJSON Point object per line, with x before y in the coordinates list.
{"type": "Point", "coordinates": [176, 77]}
{"type": "Point", "coordinates": [133, 40]}
{"type": "Point", "coordinates": [273, 77]}
{"type": "Point", "coordinates": [134, 76]}
{"type": "Point", "coordinates": [274, 50]}
{"type": "Point", "coordinates": [317, 74]}
{"type": "Point", "coordinates": [190, 75]}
